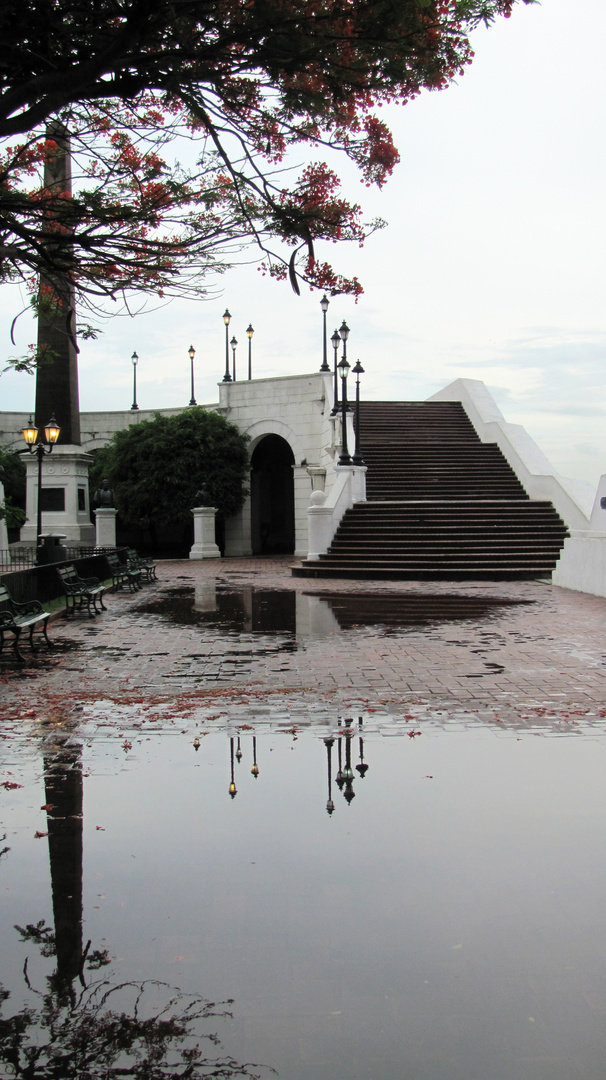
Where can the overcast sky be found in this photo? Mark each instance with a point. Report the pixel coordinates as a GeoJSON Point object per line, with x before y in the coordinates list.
{"type": "Point", "coordinates": [491, 267]}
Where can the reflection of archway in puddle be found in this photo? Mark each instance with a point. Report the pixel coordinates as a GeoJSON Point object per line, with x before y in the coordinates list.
{"type": "Point", "coordinates": [272, 497]}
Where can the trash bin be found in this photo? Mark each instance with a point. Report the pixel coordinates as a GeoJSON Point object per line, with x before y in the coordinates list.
{"type": "Point", "coordinates": [50, 549]}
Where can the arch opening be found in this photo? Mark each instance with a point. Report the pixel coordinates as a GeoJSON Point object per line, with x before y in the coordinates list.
{"type": "Point", "coordinates": [272, 494]}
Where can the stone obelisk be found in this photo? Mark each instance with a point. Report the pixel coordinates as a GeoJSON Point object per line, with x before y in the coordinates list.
{"type": "Point", "coordinates": [57, 371]}
{"type": "Point", "coordinates": [64, 498]}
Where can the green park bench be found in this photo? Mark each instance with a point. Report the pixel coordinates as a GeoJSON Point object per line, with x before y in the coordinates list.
{"type": "Point", "coordinates": [122, 574]}
{"type": "Point", "coordinates": [18, 617]}
{"type": "Point", "coordinates": [80, 591]}
{"type": "Point", "coordinates": [145, 566]}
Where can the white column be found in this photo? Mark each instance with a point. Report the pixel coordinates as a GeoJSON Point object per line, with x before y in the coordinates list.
{"type": "Point", "coordinates": [204, 534]}
{"type": "Point", "coordinates": [320, 525]}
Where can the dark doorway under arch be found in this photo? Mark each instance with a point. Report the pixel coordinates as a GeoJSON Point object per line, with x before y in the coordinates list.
{"type": "Point", "coordinates": [272, 497]}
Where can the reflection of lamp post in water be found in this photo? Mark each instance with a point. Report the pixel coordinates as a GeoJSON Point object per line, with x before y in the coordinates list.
{"type": "Point", "coordinates": [238, 751]}
{"type": "Point", "coordinates": [329, 743]}
{"type": "Point", "coordinates": [362, 768]}
{"type": "Point", "coordinates": [233, 791]}
{"type": "Point", "coordinates": [348, 774]}
{"type": "Point", "coordinates": [339, 778]}
{"type": "Point", "coordinates": [255, 767]}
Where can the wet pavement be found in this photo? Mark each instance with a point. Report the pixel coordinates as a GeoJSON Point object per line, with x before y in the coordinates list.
{"type": "Point", "coordinates": [351, 830]}
{"type": "Point", "coordinates": [214, 631]}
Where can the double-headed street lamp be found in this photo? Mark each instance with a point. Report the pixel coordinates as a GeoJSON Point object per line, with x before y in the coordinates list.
{"type": "Point", "coordinates": [30, 434]}
{"type": "Point", "coordinates": [135, 361]}
{"type": "Point", "coordinates": [191, 353]}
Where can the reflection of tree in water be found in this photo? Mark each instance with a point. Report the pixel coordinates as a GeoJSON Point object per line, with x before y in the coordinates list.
{"type": "Point", "coordinates": [108, 1030]}
{"type": "Point", "coordinates": [105, 1029]}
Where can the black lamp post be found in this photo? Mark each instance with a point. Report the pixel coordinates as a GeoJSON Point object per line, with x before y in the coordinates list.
{"type": "Point", "coordinates": [324, 303]}
{"type": "Point", "coordinates": [233, 344]}
{"type": "Point", "coordinates": [335, 342]}
{"type": "Point", "coordinates": [255, 767]}
{"type": "Point", "coordinates": [135, 360]}
{"type": "Point", "coordinates": [226, 320]}
{"type": "Point", "coordinates": [345, 458]}
{"type": "Point", "coordinates": [357, 370]}
{"type": "Point", "coordinates": [192, 352]}
{"type": "Point", "coordinates": [249, 334]}
{"type": "Point", "coordinates": [30, 434]}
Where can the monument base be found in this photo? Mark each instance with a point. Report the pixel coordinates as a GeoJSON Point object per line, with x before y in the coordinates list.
{"type": "Point", "coordinates": [105, 526]}
{"type": "Point", "coordinates": [204, 534]}
{"type": "Point", "coordinates": [64, 495]}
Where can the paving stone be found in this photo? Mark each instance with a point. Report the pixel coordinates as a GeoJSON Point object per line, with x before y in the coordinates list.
{"type": "Point", "coordinates": [552, 649]}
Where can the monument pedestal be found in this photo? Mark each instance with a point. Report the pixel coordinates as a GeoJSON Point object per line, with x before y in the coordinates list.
{"type": "Point", "coordinates": [105, 526]}
{"type": "Point", "coordinates": [204, 534]}
{"type": "Point", "coordinates": [64, 497]}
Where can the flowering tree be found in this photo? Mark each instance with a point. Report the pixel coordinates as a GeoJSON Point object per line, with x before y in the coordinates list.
{"type": "Point", "coordinates": [245, 81]}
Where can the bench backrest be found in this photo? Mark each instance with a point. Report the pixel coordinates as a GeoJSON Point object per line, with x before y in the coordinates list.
{"type": "Point", "coordinates": [5, 599]}
{"type": "Point", "coordinates": [68, 574]}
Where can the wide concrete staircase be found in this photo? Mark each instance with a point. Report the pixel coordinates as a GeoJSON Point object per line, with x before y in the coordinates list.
{"type": "Point", "coordinates": [441, 504]}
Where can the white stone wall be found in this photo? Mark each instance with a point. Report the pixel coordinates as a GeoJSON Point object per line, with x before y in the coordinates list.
{"type": "Point", "coordinates": [297, 408]}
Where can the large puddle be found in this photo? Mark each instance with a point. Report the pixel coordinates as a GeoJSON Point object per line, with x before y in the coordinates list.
{"type": "Point", "coordinates": [315, 614]}
{"type": "Point", "coordinates": [422, 903]}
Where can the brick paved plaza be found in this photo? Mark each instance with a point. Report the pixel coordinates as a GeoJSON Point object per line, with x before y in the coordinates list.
{"type": "Point", "coordinates": [536, 661]}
